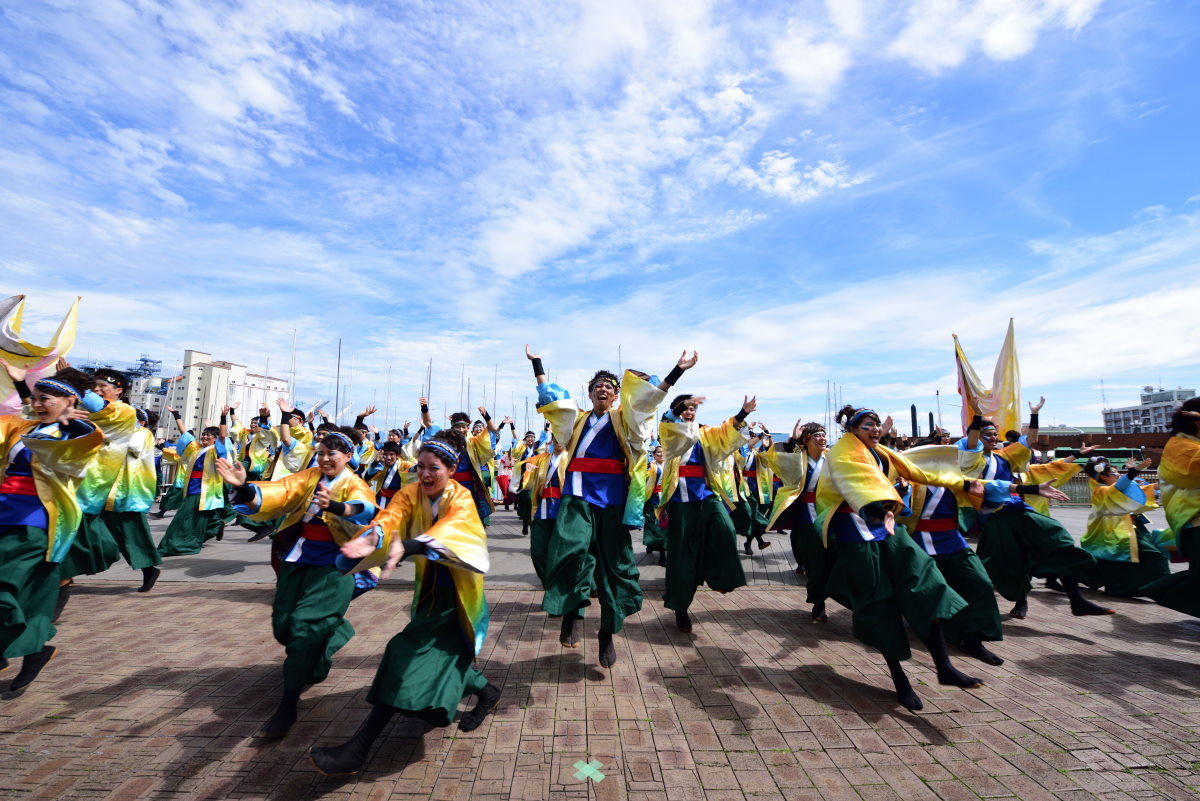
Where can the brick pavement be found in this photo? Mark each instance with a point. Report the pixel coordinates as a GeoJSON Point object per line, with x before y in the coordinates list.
{"type": "Point", "coordinates": [159, 696]}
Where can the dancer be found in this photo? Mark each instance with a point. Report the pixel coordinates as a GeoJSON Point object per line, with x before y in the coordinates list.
{"type": "Point", "coordinates": [475, 460]}
{"type": "Point", "coordinates": [699, 492]}
{"type": "Point", "coordinates": [603, 496]}
{"type": "Point", "coordinates": [428, 667]}
{"type": "Point", "coordinates": [544, 477]}
{"type": "Point", "coordinates": [1179, 481]}
{"type": "Point", "coordinates": [654, 536]}
{"type": "Point", "coordinates": [95, 549]}
{"type": "Point", "coordinates": [521, 453]}
{"type": "Point", "coordinates": [800, 463]}
{"type": "Point", "coordinates": [388, 474]}
{"type": "Point", "coordinates": [44, 458]}
{"type": "Point", "coordinates": [1126, 560]}
{"type": "Point", "coordinates": [1017, 542]}
{"type": "Point", "coordinates": [323, 508]}
{"type": "Point", "coordinates": [755, 488]}
{"type": "Point", "coordinates": [199, 517]}
{"type": "Point", "coordinates": [132, 495]}
{"type": "Point", "coordinates": [932, 521]}
{"type": "Point", "coordinates": [881, 574]}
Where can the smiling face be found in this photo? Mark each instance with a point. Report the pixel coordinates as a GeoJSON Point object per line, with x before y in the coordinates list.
{"type": "Point", "coordinates": [990, 437]}
{"type": "Point", "coordinates": [106, 390]}
{"type": "Point", "coordinates": [47, 407]}
{"type": "Point", "coordinates": [689, 412]}
{"type": "Point", "coordinates": [389, 458]}
{"type": "Point", "coordinates": [432, 474]}
{"type": "Point", "coordinates": [816, 442]}
{"type": "Point", "coordinates": [207, 439]}
{"type": "Point", "coordinates": [603, 394]}
{"type": "Point", "coordinates": [658, 454]}
{"type": "Point", "coordinates": [868, 430]}
{"type": "Point", "coordinates": [331, 462]}
{"type": "Point", "coordinates": [529, 440]}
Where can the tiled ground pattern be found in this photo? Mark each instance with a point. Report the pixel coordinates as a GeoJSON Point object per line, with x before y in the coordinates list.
{"type": "Point", "coordinates": [159, 696]}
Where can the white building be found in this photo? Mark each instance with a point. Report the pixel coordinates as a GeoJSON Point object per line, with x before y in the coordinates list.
{"type": "Point", "coordinates": [205, 386]}
{"type": "Point", "coordinates": [1152, 414]}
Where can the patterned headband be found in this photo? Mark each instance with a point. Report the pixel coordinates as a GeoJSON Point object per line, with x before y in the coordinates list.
{"type": "Point", "coordinates": [343, 438]}
{"type": "Point", "coordinates": [861, 414]}
{"type": "Point", "coordinates": [437, 445]}
{"type": "Point", "coordinates": [50, 383]}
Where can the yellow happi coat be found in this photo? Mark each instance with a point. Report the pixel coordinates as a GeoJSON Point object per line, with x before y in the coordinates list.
{"type": "Point", "coordinates": [290, 497]}
{"type": "Point", "coordinates": [117, 421]}
{"type": "Point", "coordinates": [1179, 479]}
{"type": "Point", "coordinates": [717, 443]}
{"type": "Point", "coordinates": [458, 537]}
{"type": "Point", "coordinates": [763, 475]}
{"type": "Point", "coordinates": [632, 421]}
{"type": "Point", "coordinates": [1110, 532]}
{"type": "Point", "coordinates": [58, 465]}
{"type": "Point", "coordinates": [792, 470]}
{"type": "Point", "coordinates": [298, 457]}
{"type": "Point", "coordinates": [852, 476]}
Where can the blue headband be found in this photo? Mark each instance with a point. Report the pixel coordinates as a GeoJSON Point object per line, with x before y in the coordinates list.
{"type": "Point", "coordinates": [861, 414]}
{"type": "Point", "coordinates": [439, 446]}
{"type": "Point", "coordinates": [343, 438]}
{"type": "Point", "coordinates": [50, 383]}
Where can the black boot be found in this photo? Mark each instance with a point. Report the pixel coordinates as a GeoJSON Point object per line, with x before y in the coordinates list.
{"type": "Point", "coordinates": [662, 557]}
{"type": "Point", "coordinates": [266, 532]}
{"type": "Point", "coordinates": [608, 652]}
{"type": "Point", "coordinates": [972, 644]}
{"type": "Point", "coordinates": [567, 636]}
{"type": "Point", "coordinates": [64, 595]}
{"type": "Point", "coordinates": [1053, 583]}
{"type": "Point", "coordinates": [351, 756]}
{"type": "Point", "coordinates": [683, 621]}
{"type": "Point", "coordinates": [946, 672]}
{"type": "Point", "coordinates": [524, 529]}
{"type": "Point", "coordinates": [762, 544]}
{"type": "Point", "coordinates": [489, 699]}
{"type": "Point", "coordinates": [746, 547]}
{"type": "Point", "coordinates": [1020, 610]}
{"type": "Point", "coordinates": [818, 613]}
{"type": "Point", "coordinates": [3, 664]}
{"type": "Point", "coordinates": [283, 719]}
{"type": "Point", "coordinates": [149, 576]}
{"type": "Point", "coordinates": [905, 694]}
{"type": "Point", "coordinates": [1081, 606]}
{"type": "Point", "coordinates": [220, 533]}
{"type": "Point", "coordinates": [31, 666]}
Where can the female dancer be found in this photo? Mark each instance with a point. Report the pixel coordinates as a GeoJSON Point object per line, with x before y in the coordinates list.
{"type": "Point", "coordinates": [429, 666]}
{"type": "Point", "coordinates": [322, 507]}
{"type": "Point", "coordinates": [125, 511]}
{"type": "Point", "coordinates": [654, 536]}
{"type": "Point", "coordinates": [42, 459]}
{"type": "Point", "coordinates": [881, 574]}
{"type": "Point", "coordinates": [1179, 480]}
{"type": "Point", "coordinates": [795, 503]}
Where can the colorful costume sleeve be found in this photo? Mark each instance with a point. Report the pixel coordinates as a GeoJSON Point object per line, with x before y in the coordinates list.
{"type": "Point", "coordinates": [560, 411]}
{"type": "Point", "coordinates": [1058, 473]}
{"type": "Point", "coordinates": [58, 465]}
{"type": "Point", "coordinates": [790, 468]}
{"type": "Point", "coordinates": [134, 488]}
{"type": "Point", "coordinates": [1179, 479]}
{"type": "Point", "coordinates": [297, 457]}
{"type": "Point", "coordinates": [719, 444]}
{"type": "Point", "coordinates": [1110, 533]}
{"type": "Point", "coordinates": [117, 421]}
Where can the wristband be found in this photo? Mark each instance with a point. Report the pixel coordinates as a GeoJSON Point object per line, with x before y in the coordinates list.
{"type": "Point", "coordinates": [537, 368]}
{"type": "Point", "coordinates": [223, 420]}
{"type": "Point", "coordinates": [1033, 420]}
{"type": "Point", "coordinates": [23, 390]}
{"type": "Point", "coordinates": [413, 548]}
{"type": "Point", "coordinates": [486, 416]}
{"type": "Point", "coordinates": [243, 495]}
{"type": "Point", "coordinates": [336, 508]}
{"type": "Point", "coordinates": [176, 415]}
{"type": "Point", "coordinates": [976, 423]}
{"type": "Point", "coordinates": [673, 376]}
{"type": "Point", "coordinates": [424, 408]}
{"type": "Point", "coordinates": [741, 415]}
{"type": "Point", "coordinates": [966, 485]}
{"type": "Point", "coordinates": [1027, 489]}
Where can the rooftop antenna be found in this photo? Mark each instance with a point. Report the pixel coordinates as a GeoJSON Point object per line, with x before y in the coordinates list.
{"type": "Point", "coordinates": [1103, 397]}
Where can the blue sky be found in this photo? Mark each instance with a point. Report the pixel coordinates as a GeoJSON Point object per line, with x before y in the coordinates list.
{"type": "Point", "coordinates": [802, 192]}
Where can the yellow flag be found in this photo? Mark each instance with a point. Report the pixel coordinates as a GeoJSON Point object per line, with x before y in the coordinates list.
{"type": "Point", "coordinates": [37, 359]}
{"type": "Point", "coordinates": [1001, 402]}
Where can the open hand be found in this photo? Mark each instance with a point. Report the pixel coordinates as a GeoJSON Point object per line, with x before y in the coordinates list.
{"type": "Point", "coordinates": [232, 473]}
{"type": "Point", "coordinates": [685, 363]}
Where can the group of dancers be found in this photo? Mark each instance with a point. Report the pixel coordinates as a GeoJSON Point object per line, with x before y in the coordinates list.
{"type": "Point", "coordinates": [880, 531]}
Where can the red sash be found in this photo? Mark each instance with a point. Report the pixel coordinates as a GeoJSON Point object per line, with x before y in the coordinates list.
{"type": "Point", "coordinates": [657, 489]}
{"type": "Point", "coordinates": [388, 493]}
{"type": "Point", "coordinates": [18, 485]}
{"type": "Point", "coordinates": [937, 524]}
{"type": "Point", "coordinates": [195, 474]}
{"type": "Point", "coordinates": [552, 492]}
{"type": "Point", "coordinates": [691, 471]}
{"type": "Point", "coordinates": [584, 464]}
{"type": "Point", "coordinates": [316, 531]}
{"type": "Point", "coordinates": [751, 474]}
{"type": "Point", "coordinates": [462, 478]}
{"type": "Point", "coordinates": [843, 509]}
{"type": "Point", "coordinates": [808, 497]}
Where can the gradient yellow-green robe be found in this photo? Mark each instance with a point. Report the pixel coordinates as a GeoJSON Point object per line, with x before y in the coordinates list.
{"type": "Point", "coordinates": [290, 497]}
{"type": "Point", "coordinates": [1179, 480]}
{"type": "Point", "coordinates": [117, 421]}
{"type": "Point", "coordinates": [792, 470]}
{"type": "Point", "coordinates": [718, 443]}
{"type": "Point", "coordinates": [133, 491]}
{"type": "Point", "coordinates": [58, 465]}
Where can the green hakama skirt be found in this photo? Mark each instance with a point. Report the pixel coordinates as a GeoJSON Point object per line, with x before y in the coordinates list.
{"type": "Point", "coordinates": [28, 591]}
{"type": "Point", "coordinates": [93, 551]}
{"type": "Point", "coordinates": [131, 531]}
{"type": "Point", "coordinates": [703, 547]}
{"type": "Point", "coordinates": [190, 529]}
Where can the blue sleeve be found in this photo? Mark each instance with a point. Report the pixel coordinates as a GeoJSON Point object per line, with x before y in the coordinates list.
{"type": "Point", "coordinates": [250, 508]}
{"type": "Point", "coordinates": [549, 393]}
{"type": "Point", "coordinates": [996, 492]}
{"type": "Point", "coordinates": [92, 402]}
{"type": "Point", "coordinates": [1128, 486]}
{"type": "Point", "coordinates": [495, 439]}
{"type": "Point", "coordinates": [906, 498]}
{"type": "Point", "coordinates": [430, 431]}
{"type": "Point", "coordinates": [184, 440]}
{"type": "Point", "coordinates": [544, 438]}
{"type": "Point", "coordinates": [223, 447]}
{"type": "Point", "coordinates": [365, 512]}
{"type": "Point", "coordinates": [962, 445]}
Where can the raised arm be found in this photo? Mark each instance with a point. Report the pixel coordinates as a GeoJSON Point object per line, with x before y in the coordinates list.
{"type": "Point", "coordinates": [1034, 408]}
{"type": "Point", "coordinates": [178, 420]}
{"type": "Point", "coordinates": [539, 372]}
{"type": "Point", "coordinates": [426, 417]}
{"type": "Point", "coordinates": [684, 364]}
{"type": "Point", "coordinates": [488, 421]}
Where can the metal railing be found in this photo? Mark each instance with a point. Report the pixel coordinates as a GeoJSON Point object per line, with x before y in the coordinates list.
{"type": "Point", "coordinates": [1080, 489]}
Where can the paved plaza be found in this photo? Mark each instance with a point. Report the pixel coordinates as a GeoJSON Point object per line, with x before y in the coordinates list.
{"type": "Point", "coordinates": [160, 695]}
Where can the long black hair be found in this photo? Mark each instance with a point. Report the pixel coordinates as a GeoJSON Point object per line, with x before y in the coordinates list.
{"type": "Point", "coordinates": [446, 445]}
